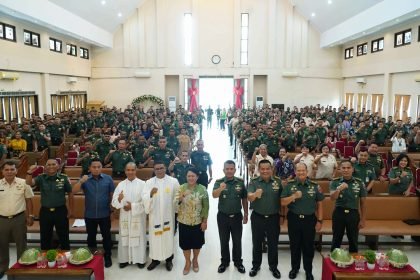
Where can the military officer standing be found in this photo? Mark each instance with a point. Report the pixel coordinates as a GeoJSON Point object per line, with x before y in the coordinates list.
{"type": "Point", "coordinates": [232, 196]}
{"type": "Point", "coordinates": [161, 154]}
{"type": "Point", "coordinates": [264, 194]}
{"type": "Point", "coordinates": [349, 194]}
{"type": "Point", "coordinates": [304, 200]}
{"type": "Point", "coordinates": [86, 157]}
{"type": "Point", "coordinates": [202, 160]}
{"type": "Point", "coordinates": [119, 159]}
{"type": "Point", "coordinates": [103, 146]}
{"type": "Point", "coordinates": [180, 167]}
{"type": "Point", "coordinates": [16, 210]}
{"type": "Point", "coordinates": [364, 170]}
{"type": "Point", "coordinates": [53, 187]}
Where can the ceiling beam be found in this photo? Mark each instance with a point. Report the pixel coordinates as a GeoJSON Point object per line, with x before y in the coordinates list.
{"type": "Point", "coordinates": [49, 15]}
{"type": "Point", "coordinates": [381, 15]}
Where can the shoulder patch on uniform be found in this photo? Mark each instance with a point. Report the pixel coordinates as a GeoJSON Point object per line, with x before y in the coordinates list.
{"type": "Point", "coordinates": [239, 178]}
{"type": "Point", "coordinates": [395, 167]}
{"type": "Point", "coordinates": [291, 180]}
{"type": "Point", "coordinates": [357, 179]}
{"type": "Point", "coordinates": [337, 178]}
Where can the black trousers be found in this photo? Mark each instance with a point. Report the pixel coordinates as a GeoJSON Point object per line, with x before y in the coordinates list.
{"type": "Point", "coordinates": [203, 179]}
{"type": "Point", "coordinates": [230, 225]}
{"type": "Point", "coordinates": [50, 219]}
{"type": "Point", "coordinates": [105, 228]}
{"type": "Point", "coordinates": [301, 230]}
{"type": "Point", "coordinates": [345, 220]}
{"type": "Point", "coordinates": [265, 226]}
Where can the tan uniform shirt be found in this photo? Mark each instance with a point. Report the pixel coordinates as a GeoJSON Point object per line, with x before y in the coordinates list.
{"type": "Point", "coordinates": [326, 166]}
{"type": "Point", "coordinates": [12, 197]}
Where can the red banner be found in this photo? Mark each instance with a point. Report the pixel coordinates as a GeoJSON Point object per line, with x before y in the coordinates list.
{"type": "Point", "coordinates": [238, 90]}
{"type": "Point", "coordinates": [193, 93]}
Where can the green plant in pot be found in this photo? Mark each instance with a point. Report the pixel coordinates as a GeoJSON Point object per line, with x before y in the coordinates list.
{"type": "Point", "coordinates": [370, 257]}
{"type": "Point", "coordinates": [51, 257]}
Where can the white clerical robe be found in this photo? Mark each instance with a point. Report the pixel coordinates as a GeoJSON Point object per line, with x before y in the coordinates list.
{"type": "Point", "coordinates": [132, 235]}
{"type": "Point", "coordinates": [161, 212]}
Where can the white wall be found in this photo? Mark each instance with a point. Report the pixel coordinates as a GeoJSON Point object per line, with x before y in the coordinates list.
{"type": "Point", "coordinates": [40, 69]}
{"type": "Point", "coordinates": [280, 40]}
{"type": "Point", "coordinates": [389, 72]}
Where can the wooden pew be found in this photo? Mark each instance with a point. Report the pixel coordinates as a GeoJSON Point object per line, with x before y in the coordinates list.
{"type": "Point", "coordinates": [78, 213]}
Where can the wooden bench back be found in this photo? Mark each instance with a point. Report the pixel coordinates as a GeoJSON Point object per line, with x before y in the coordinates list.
{"type": "Point", "coordinates": [76, 171]}
{"type": "Point", "coordinates": [78, 210]}
{"type": "Point", "coordinates": [383, 208]}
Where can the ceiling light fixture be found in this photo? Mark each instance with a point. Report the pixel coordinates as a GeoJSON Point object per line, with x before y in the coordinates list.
{"type": "Point", "coordinates": [103, 2]}
{"type": "Point", "coordinates": [119, 14]}
{"type": "Point", "coordinates": [329, 2]}
{"type": "Point", "coordinates": [313, 14]}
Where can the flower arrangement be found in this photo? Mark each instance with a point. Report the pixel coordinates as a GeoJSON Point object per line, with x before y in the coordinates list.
{"type": "Point", "coordinates": [147, 98]}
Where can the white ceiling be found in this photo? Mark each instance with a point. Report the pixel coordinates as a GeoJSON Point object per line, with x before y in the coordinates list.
{"type": "Point", "coordinates": [105, 15]}
{"type": "Point", "coordinates": [329, 15]}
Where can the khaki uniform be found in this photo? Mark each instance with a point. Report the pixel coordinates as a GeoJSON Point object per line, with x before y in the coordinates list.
{"type": "Point", "coordinates": [12, 218]}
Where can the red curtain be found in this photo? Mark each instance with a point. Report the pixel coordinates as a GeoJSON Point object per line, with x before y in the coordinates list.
{"type": "Point", "coordinates": [238, 91]}
{"type": "Point", "coordinates": [193, 94]}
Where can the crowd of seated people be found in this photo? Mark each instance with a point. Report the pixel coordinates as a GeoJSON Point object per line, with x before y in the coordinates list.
{"type": "Point", "coordinates": [285, 137]}
{"type": "Point", "coordinates": [316, 136]}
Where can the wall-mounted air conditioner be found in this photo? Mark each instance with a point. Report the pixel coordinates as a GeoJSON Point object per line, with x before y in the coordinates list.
{"type": "Point", "coordinates": [9, 76]}
{"type": "Point", "coordinates": [290, 74]}
{"type": "Point", "coordinates": [361, 80]}
{"type": "Point", "coordinates": [71, 80]}
{"type": "Point", "coordinates": [142, 74]}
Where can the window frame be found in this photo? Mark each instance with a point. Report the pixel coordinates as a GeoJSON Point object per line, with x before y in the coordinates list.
{"type": "Point", "coordinates": [71, 49]}
{"type": "Point", "coordinates": [402, 33]}
{"type": "Point", "coordinates": [363, 49]}
{"type": "Point", "coordinates": [349, 56]}
{"type": "Point", "coordinates": [377, 42]}
{"type": "Point", "coordinates": [3, 29]}
{"type": "Point", "coordinates": [31, 38]}
{"type": "Point", "coordinates": [244, 52]}
{"type": "Point", "coordinates": [82, 51]}
{"type": "Point", "coordinates": [55, 45]}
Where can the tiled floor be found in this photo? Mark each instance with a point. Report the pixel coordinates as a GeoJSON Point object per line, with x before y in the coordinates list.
{"type": "Point", "coordinates": [216, 142]}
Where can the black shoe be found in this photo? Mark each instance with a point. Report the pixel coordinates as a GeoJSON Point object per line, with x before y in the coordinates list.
{"type": "Point", "coordinates": [309, 276]}
{"type": "Point", "coordinates": [253, 272]}
{"type": "Point", "coordinates": [169, 265]}
{"type": "Point", "coordinates": [240, 268]}
{"type": "Point", "coordinates": [222, 268]}
{"type": "Point", "coordinates": [293, 273]}
{"type": "Point", "coordinates": [107, 261]}
{"type": "Point", "coordinates": [122, 265]}
{"type": "Point", "coordinates": [141, 265]}
{"type": "Point", "coordinates": [153, 265]}
{"type": "Point", "coordinates": [275, 272]}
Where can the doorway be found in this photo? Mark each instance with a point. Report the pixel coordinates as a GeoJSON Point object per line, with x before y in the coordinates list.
{"type": "Point", "coordinates": [216, 92]}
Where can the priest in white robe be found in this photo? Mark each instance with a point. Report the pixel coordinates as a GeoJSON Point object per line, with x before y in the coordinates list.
{"type": "Point", "coordinates": [132, 236]}
{"type": "Point", "coordinates": [158, 198]}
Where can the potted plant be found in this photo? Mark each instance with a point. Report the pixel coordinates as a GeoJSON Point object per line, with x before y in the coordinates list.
{"type": "Point", "coordinates": [370, 257]}
{"type": "Point", "coordinates": [51, 257]}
